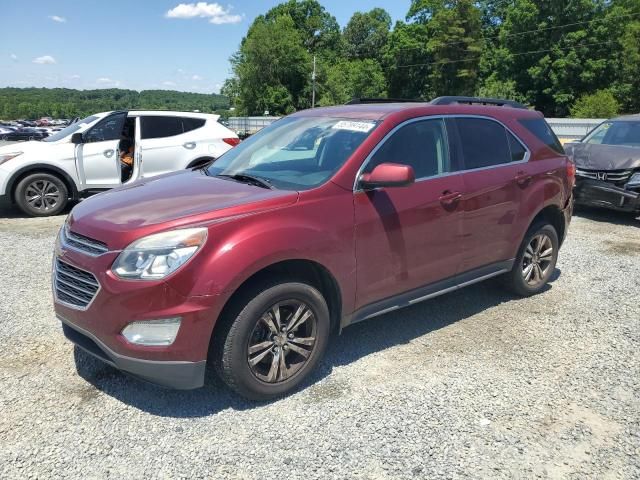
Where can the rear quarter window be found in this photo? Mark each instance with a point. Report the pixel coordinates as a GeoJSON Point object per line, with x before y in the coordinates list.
{"type": "Point", "coordinates": [541, 129]}
{"type": "Point", "coordinates": [189, 124]}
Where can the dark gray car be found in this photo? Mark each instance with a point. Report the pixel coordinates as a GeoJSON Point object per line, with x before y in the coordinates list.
{"type": "Point", "coordinates": [608, 165]}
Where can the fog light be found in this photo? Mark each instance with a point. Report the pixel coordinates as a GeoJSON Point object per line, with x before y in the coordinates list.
{"type": "Point", "coordinates": [152, 332]}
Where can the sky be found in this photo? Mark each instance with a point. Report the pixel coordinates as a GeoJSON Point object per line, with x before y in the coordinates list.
{"type": "Point", "coordinates": [135, 44]}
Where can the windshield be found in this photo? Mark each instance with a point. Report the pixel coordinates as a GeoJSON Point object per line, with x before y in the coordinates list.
{"type": "Point", "coordinates": [71, 129]}
{"type": "Point", "coordinates": [625, 134]}
{"type": "Point", "coordinates": [295, 153]}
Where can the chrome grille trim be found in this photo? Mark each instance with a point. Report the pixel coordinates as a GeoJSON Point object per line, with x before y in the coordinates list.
{"type": "Point", "coordinates": [83, 244]}
{"type": "Point", "coordinates": [72, 286]}
{"type": "Point", "coordinates": [614, 176]}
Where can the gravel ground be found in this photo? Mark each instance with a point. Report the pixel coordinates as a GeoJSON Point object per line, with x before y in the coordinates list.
{"type": "Point", "coordinates": [474, 384]}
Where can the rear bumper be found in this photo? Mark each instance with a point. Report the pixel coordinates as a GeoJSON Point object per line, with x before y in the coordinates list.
{"type": "Point", "coordinates": [603, 194]}
{"type": "Point", "coordinates": [182, 375]}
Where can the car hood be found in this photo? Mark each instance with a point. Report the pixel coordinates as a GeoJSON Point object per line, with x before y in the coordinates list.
{"type": "Point", "coordinates": [603, 157]}
{"type": "Point", "coordinates": [169, 201]}
{"type": "Point", "coordinates": [26, 147]}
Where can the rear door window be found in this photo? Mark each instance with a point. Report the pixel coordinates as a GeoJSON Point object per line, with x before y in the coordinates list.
{"type": "Point", "coordinates": [484, 143]}
{"type": "Point", "coordinates": [518, 152]}
{"type": "Point", "coordinates": [160, 127]}
{"type": "Point", "coordinates": [421, 145]}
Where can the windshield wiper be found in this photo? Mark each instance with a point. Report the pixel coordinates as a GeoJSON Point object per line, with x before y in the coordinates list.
{"type": "Point", "coordinates": [250, 179]}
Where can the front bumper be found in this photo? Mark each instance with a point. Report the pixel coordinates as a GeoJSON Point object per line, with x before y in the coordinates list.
{"type": "Point", "coordinates": [116, 303]}
{"type": "Point", "coordinates": [5, 201]}
{"type": "Point", "coordinates": [603, 194]}
{"type": "Point", "coordinates": [180, 375]}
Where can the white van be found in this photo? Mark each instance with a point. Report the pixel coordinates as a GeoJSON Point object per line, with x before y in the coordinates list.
{"type": "Point", "coordinates": [85, 158]}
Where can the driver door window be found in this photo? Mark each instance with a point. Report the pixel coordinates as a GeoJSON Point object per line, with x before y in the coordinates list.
{"type": "Point", "coordinates": [421, 145]}
{"type": "Point", "coordinates": [108, 129]}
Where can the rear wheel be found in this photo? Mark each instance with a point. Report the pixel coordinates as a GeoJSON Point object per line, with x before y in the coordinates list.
{"type": "Point", "coordinates": [536, 260]}
{"type": "Point", "coordinates": [274, 342]}
{"type": "Point", "coordinates": [41, 195]}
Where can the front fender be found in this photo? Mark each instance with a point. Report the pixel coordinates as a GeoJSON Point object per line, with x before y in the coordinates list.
{"type": "Point", "coordinates": [239, 248]}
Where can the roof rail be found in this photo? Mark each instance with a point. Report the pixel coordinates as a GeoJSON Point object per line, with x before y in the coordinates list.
{"type": "Point", "coordinates": [499, 102]}
{"type": "Point", "coordinates": [359, 101]}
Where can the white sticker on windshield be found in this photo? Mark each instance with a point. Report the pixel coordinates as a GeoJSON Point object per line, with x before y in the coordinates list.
{"type": "Point", "coordinates": [354, 126]}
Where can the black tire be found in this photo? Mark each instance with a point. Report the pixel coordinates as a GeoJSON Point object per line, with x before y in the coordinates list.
{"type": "Point", "coordinates": [230, 351]}
{"type": "Point", "coordinates": [52, 193]}
{"type": "Point", "coordinates": [516, 280]}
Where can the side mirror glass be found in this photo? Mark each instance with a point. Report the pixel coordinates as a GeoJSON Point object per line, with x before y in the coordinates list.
{"type": "Point", "coordinates": [76, 138]}
{"type": "Point", "coordinates": [388, 175]}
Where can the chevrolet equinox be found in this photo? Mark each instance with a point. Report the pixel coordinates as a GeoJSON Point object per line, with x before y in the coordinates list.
{"type": "Point", "coordinates": [323, 219]}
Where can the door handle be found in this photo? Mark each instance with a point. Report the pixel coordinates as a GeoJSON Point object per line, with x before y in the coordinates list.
{"type": "Point", "coordinates": [523, 179]}
{"type": "Point", "coordinates": [108, 153]}
{"type": "Point", "coordinates": [189, 145]}
{"type": "Point", "coordinates": [449, 199]}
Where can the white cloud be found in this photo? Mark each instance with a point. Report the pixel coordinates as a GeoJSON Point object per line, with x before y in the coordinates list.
{"type": "Point", "coordinates": [180, 71]}
{"type": "Point", "coordinates": [169, 84]}
{"type": "Point", "coordinates": [196, 78]}
{"type": "Point", "coordinates": [108, 82]}
{"type": "Point", "coordinates": [75, 77]}
{"type": "Point", "coordinates": [45, 60]}
{"type": "Point", "coordinates": [14, 57]}
{"type": "Point", "coordinates": [58, 19]}
{"type": "Point", "coordinates": [215, 12]}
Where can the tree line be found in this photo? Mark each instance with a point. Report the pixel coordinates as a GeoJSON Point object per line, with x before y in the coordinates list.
{"type": "Point", "coordinates": [18, 103]}
{"type": "Point", "coordinates": [563, 57]}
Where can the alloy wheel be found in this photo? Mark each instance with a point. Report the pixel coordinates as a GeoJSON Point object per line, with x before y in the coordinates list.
{"type": "Point", "coordinates": [282, 341]}
{"type": "Point", "coordinates": [537, 259]}
{"type": "Point", "coordinates": [42, 195]}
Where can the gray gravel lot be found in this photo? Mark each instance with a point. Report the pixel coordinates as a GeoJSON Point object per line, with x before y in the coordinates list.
{"type": "Point", "coordinates": [476, 384]}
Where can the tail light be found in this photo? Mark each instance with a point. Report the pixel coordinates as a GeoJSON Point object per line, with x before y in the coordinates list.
{"type": "Point", "coordinates": [233, 141]}
{"type": "Point", "coordinates": [571, 173]}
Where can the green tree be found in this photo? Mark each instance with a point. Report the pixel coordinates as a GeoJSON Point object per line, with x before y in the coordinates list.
{"type": "Point", "coordinates": [273, 67]}
{"type": "Point", "coordinates": [366, 34]}
{"type": "Point", "coordinates": [601, 104]}
{"type": "Point", "coordinates": [353, 79]}
{"type": "Point", "coordinates": [319, 30]}
{"type": "Point", "coordinates": [406, 61]}
{"type": "Point", "coordinates": [455, 43]}
{"type": "Point", "coordinates": [556, 51]}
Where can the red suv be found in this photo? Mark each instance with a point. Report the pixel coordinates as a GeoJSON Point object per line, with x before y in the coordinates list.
{"type": "Point", "coordinates": [323, 219]}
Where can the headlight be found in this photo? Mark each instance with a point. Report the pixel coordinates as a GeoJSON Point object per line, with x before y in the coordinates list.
{"type": "Point", "coordinates": [634, 181]}
{"type": "Point", "coordinates": [5, 157]}
{"type": "Point", "coordinates": [156, 256]}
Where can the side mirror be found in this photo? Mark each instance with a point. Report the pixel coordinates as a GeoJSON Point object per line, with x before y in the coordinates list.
{"type": "Point", "coordinates": [76, 138]}
{"type": "Point", "coordinates": [388, 175]}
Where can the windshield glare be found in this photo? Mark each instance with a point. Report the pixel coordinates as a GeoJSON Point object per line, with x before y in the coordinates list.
{"type": "Point", "coordinates": [625, 134]}
{"type": "Point", "coordinates": [295, 153]}
{"type": "Point", "coordinates": [70, 129]}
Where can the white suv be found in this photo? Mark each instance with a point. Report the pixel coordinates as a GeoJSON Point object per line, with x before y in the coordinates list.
{"type": "Point", "coordinates": [87, 156]}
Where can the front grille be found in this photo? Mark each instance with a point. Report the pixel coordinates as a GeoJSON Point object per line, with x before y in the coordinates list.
{"type": "Point", "coordinates": [73, 286]}
{"type": "Point", "coordinates": [82, 243]}
{"type": "Point", "coordinates": [611, 176]}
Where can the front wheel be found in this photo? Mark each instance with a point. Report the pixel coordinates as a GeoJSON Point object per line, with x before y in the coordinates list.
{"type": "Point", "coordinates": [535, 262]}
{"type": "Point", "coordinates": [41, 195]}
{"type": "Point", "coordinates": [274, 342]}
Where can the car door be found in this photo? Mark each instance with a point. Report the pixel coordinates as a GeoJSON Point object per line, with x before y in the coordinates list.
{"type": "Point", "coordinates": [97, 155]}
{"type": "Point", "coordinates": [409, 237]}
{"type": "Point", "coordinates": [162, 148]}
{"type": "Point", "coordinates": [495, 173]}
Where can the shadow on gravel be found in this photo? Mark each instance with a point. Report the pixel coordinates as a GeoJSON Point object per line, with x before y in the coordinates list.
{"type": "Point", "coordinates": [608, 216]}
{"type": "Point", "coordinates": [356, 342]}
{"type": "Point", "coordinates": [7, 213]}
